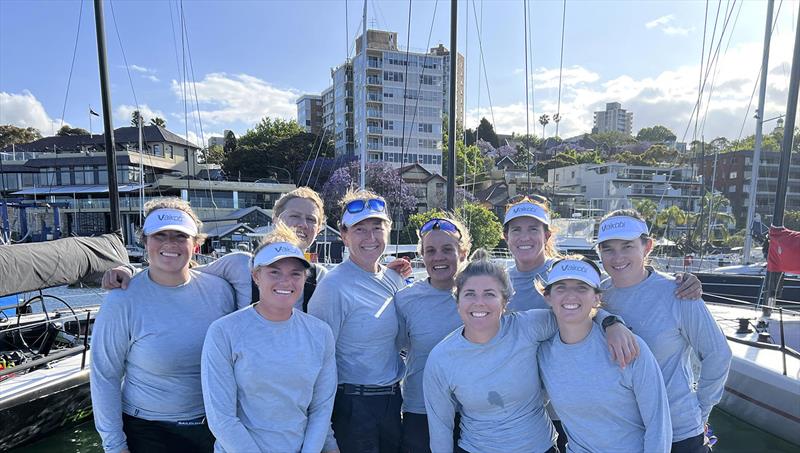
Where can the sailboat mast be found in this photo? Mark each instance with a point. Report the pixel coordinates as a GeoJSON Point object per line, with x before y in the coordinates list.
{"type": "Point", "coordinates": [363, 159]}
{"type": "Point", "coordinates": [762, 91]}
{"type": "Point", "coordinates": [111, 157]}
{"type": "Point", "coordinates": [786, 155]}
{"type": "Point", "coordinates": [451, 123]}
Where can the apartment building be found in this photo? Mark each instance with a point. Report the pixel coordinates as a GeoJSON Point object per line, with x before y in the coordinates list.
{"type": "Point", "coordinates": [613, 119]}
{"type": "Point", "coordinates": [309, 113]}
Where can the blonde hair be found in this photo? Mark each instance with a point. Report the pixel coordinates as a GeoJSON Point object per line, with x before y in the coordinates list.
{"type": "Point", "coordinates": [280, 233]}
{"type": "Point", "coordinates": [173, 203]}
{"type": "Point", "coordinates": [464, 239]}
{"type": "Point", "coordinates": [305, 193]}
{"type": "Point", "coordinates": [360, 194]}
{"type": "Point", "coordinates": [480, 264]}
{"type": "Point", "coordinates": [550, 245]}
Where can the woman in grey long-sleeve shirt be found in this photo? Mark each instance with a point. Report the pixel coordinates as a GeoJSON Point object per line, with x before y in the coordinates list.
{"type": "Point", "coordinates": [147, 342]}
{"type": "Point", "coordinates": [603, 408]}
{"type": "Point", "coordinates": [426, 311]}
{"type": "Point", "coordinates": [673, 329]}
{"type": "Point", "coordinates": [477, 369]}
{"type": "Point", "coordinates": [287, 409]}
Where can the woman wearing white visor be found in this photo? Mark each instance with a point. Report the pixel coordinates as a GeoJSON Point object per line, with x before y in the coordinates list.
{"type": "Point", "coordinates": [673, 329]}
{"type": "Point", "coordinates": [147, 342]}
{"type": "Point", "coordinates": [603, 408]}
{"type": "Point", "coordinates": [355, 300]}
{"type": "Point", "coordinates": [268, 371]}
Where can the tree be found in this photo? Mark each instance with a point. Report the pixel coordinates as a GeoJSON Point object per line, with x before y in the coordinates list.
{"type": "Point", "coordinates": [486, 132]}
{"type": "Point", "coordinates": [714, 213]}
{"type": "Point", "coordinates": [612, 140]}
{"type": "Point", "coordinates": [647, 208]}
{"type": "Point", "coordinates": [483, 225]}
{"type": "Point", "coordinates": [214, 154]}
{"type": "Point", "coordinates": [468, 158]}
{"type": "Point", "coordinates": [158, 121]}
{"type": "Point", "coordinates": [17, 135]}
{"type": "Point", "coordinates": [667, 219]}
{"type": "Point", "coordinates": [656, 134]}
{"type": "Point", "coordinates": [791, 220]}
{"type": "Point", "coordinates": [135, 116]}
{"type": "Point", "coordinates": [381, 178]}
{"type": "Point", "coordinates": [544, 120]}
{"type": "Point", "coordinates": [230, 142]}
{"type": "Point", "coordinates": [274, 145]}
{"type": "Point", "coordinates": [469, 137]}
{"type": "Point", "coordinates": [67, 131]}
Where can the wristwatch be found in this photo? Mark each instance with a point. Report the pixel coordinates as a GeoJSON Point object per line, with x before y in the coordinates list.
{"type": "Point", "coordinates": [610, 321]}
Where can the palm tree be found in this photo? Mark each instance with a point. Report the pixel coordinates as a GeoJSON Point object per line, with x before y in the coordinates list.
{"type": "Point", "coordinates": [647, 208]}
{"type": "Point", "coordinates": [719, 222]}
{"type": "Point", "coordinates": [544, 120]}
{"type": "Point", "coordinates": [670, 217]}
{"type": "Point", "coordinates": [557, 119]}
{"type": "Point", "coordinates": [158, 122]}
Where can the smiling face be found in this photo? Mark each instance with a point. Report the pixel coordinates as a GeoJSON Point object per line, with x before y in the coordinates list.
{"type": "Point", "coordinates": [366, 241]}
{"type": "Point", "coordinates": [526, 238]}
{"type": "Point", "coordinates": [168, 253]}
{"type": "Point", "coordinates": [304, 217]}
{"type": "Point", "coordinates": [572, 301]}
{"type": "Point", "coordinates": [280, 283]}
{"type": "Point", "coordinates": [624, 260]}
{"type": "Point", "coordinates": [480, 305]}
{"type": "Point", "coordinates": [442, 257]}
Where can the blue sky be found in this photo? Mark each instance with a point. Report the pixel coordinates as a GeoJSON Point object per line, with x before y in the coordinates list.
{"type": "Point", "coordinates": [253, 58]}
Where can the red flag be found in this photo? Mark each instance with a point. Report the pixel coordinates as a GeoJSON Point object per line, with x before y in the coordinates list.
{"type": "Point", "coordinates": [784, 250]}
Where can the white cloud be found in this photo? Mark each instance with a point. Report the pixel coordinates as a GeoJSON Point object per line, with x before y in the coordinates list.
{"type": "Point", "coordinates": [663, 20]}
{"type": "Point", "coordinates": [664, 23]}
{"type": "Point", "coordinates": [147, 73]}
{"type": "Point", "coordinates": [666, 98]}
{"type": "Point", "coordinates": [24, 110]}
{"type": "Point", "coordinates": [122, 116]}
{"type": "Point", "coordinates": [229, 98]}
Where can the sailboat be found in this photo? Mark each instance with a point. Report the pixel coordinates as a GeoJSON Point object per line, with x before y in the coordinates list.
{"type": "Point", "coordinates": [763, 386]}
{"type": "Point", "coordinates": [44, 373]}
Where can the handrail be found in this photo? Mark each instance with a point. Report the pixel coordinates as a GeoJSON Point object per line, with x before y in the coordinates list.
{"type": "Point", "coordinates": [43, 360]}
{"type": "Point", "coordinates": [69, 317]}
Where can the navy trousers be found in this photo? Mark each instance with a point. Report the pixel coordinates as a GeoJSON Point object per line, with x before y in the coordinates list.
{"type": "Point", "coordinates": [145, 436]}
{"type": "Point", "coordinates": [367, 423]}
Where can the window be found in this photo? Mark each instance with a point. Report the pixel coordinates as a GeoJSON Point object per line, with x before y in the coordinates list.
{"type": "Point", "coordinates": [732, 188]}
{"type": "Point", "coordinates": [426, 127]}
{"type": "Point", "coordinates": [157, 150]}
{"type": "Point", "coordinates": [733, 175]}
{"type": "Point", "coordinates": [393, 76]}
{"type": "Point", "coordinates": [388, 125]}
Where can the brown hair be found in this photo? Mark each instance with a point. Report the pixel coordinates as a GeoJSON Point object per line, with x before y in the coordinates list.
{"type": "Point", "coordinates": [550, 245]}
{"type": "Point", "coordinates": [464, 239]}
{"type": "Point", "coordinates": [359, 194]}
{"type": "Point", "coordinates": [480, 264]}
{"type": "Point", "coordinates": [306, 193]}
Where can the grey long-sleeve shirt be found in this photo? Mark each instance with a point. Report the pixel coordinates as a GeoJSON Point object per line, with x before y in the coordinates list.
{"type": "Point", "coordinates": [235, 268]}
{"type": "Point", "coordinates": [605, 408]}
{"type": "Point", "coordinates": [673, 328]}
{"type": "Point", "coordinates": [525, 295]}
{"type": "Point", "coordinates": [146, 348]}
{"type": "Point", "coordinates": [269, 386]}
{"type": "Point", "coordinates": [426, 315]}
{"type": "Point", "coordinates": [357, 305]}
{"type": "Point", "coordinates": [495, 386]}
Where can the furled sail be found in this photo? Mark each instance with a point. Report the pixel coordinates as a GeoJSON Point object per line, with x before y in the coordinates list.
{"type": "Point", "coordinates": [39, 265]}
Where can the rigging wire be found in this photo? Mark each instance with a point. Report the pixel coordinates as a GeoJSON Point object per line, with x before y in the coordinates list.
{"type": "Point", "coordinates": [71, 67]}
{"type": "Point", "coordinates": [483, 62]}
{"type": "Point", "coordinates": [557, 118]}
{"type": "Point", "coordinates": [526, 31]}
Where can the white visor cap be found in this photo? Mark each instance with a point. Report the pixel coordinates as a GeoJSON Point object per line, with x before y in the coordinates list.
{"type": "Point", "coordinates": [574, 270]}
{"type": "Point", "coordinates": [272, 253]}
{"type": "Point", "coordinates": [621, 227]}
{"type": "Point", "coordinates": [169, 219]}
{"type": "Point", "coordinates": [527, 209]}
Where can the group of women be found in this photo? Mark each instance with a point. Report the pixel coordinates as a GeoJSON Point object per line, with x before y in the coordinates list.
{"type": "Point", "coordinates": [177, 368]}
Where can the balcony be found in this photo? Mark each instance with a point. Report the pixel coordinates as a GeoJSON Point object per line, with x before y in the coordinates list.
{"type": "Point", "coordinates": [374, 130]}
{"type": "Point", "coordinates": [374, 97]}
{"type": "Point", "coordinates": [378, 146]}
{"type": "Point", "coordinates": [376, 81]}
{"type": "Point", "coordinates": [375, 63]}
{"type": "Point", "coordinates": [372, 113]}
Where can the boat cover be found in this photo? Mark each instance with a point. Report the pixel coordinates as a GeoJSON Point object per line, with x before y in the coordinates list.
{"type": "Point", "coordinates": [784, 250]}
{"type": "Point", "coordinates": [40, 265]}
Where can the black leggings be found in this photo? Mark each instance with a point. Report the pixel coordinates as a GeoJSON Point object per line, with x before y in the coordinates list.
{"type": "Point", "coordinates": [145, 436]}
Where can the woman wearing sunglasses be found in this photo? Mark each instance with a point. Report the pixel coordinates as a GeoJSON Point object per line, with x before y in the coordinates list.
{"type": "Point", "coordinates": [427, 313]}
{"type": "Point", "coordinates": [674, 329]}
{"type": "Point", "coordinates": [355, 300]}
{"type": "Point", "coordinates": [604, 408]}
{"type": "Point", "coordinates": [268, 371]}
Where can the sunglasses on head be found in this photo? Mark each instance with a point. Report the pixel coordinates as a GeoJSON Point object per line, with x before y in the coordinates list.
{"type": "Point", "coordinates": [520, 198]}
{"type": "Point", "coordinates": [439, 224]}
{"type": "Point", "coordinates": [373, 204]}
